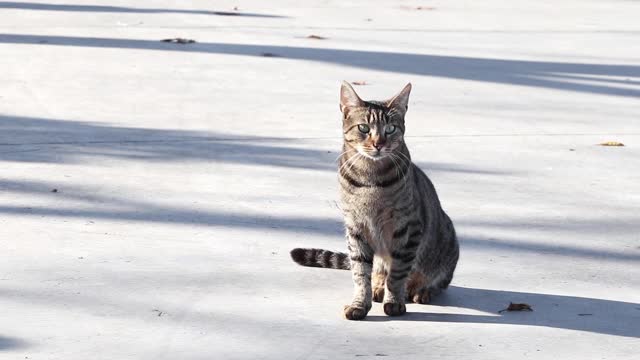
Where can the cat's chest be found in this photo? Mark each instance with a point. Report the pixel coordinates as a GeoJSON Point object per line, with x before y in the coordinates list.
{"type": "Point", "coordinates": [373, 212]}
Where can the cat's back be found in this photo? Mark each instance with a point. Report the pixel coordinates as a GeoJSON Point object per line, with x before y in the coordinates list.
{"type": "Point", "coordinates": [424, 187]}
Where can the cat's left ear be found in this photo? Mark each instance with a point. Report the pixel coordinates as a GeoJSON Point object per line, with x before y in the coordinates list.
{"type": "Point", "coordinates": [401, 100]}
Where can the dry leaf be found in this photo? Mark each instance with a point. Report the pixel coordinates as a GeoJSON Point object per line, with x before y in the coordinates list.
{"type": "Point", "coordinates": [179, 41]}
{"type": "Point", "coordinates": [611, 143]}
{"type": "Point", "coordinates": [419, 8]}
{"type": "Point", "coordinates": [517, 307]}
{"type": "Point", "coordinates": [316, 37]}
{"type": "Point", "coordinates": [362, 82]}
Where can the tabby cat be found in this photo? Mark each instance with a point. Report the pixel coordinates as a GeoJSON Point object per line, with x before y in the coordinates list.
{"type": "Point", "coordinates": [398, 236]}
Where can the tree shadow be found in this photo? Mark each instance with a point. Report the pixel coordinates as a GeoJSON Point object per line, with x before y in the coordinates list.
{"type": "Point", "coordinates": [24, 139]}
{"type": "Point", "coordinates": [121, 9]}
{"type": "Point", "coordinates": [114, 208]}
{"type": "Point", "coordinates": [28, 139]}
{"type": "Point", "coordinates": [530, 246]}
{"type": "Point", "coordinates": [553, 311]}
{"type": "Point", "coordinates": [524, 246]}
{"type": "Point", "coordinates": [38, 140]}
{"type": "Point", "coordinates": [9, 343]}
{"type": "Point", "coordinates": [110, 207]}
{"type": "Point", "coordinates": [580, 77]}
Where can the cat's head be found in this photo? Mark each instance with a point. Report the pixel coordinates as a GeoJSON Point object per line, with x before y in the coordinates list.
{"type": "Point", "coordinates": [374, 128]}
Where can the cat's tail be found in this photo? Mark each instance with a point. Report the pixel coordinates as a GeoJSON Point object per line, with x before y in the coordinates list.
{"type": "Point", "coordinates": [321, 258]}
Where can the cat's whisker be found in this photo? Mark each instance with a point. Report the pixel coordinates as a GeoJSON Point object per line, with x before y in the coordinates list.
{"type": "Point", "coordinates": [343, 153]}
{"type": "Point", "coordinates": [395, 163]}
{"type": "Point", "coordinates": [357, 157]}
{"type": "Point", "coordinates": [352, 160]}
{"type": "Point", "coordinates": [404, 174]}
{"type": "Point", "coordinates": [405, 156]}
{"type": "Point", "coordinates": [345, 163]}
{"type": "Point", "coordinates": [407, 170]}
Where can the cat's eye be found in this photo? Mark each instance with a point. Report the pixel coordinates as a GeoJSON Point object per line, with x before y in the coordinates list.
{"type": "Point", "coordinates": [364, 128]}
{"type": "Point", "coordinates": [390, 129]}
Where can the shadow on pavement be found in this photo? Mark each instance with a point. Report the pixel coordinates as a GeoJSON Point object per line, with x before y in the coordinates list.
{"type": "Point", "coordinates": [99, 203]}
{"type": "Point", "coordinates": [580, 77]}
{"type": "Point", "coordinates": [505, 245]}
{"type": "Point", "coordinates": [27, 139]}
{"type": "Point", "coordinates": [8, 343]}
{"type": "Point", "coordinates": [554, 311]}
{"type": "Point", "coordinates": [121, 9]}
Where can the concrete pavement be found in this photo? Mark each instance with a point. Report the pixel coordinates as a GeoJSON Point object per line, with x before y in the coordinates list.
{"type": "Point", "coordinates": [183, 175]}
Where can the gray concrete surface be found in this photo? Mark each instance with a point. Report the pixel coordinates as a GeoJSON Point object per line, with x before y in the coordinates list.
{"type": "Point", "coordinates": [185, 174]}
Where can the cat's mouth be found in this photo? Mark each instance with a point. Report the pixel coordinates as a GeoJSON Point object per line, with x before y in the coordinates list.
{"type": "Point", "coordinates": [374, 155]}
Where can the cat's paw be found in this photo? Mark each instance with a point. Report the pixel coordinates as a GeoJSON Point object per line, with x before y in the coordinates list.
{"type": "Point", "coordinates": [394, 309]}
{"type": "Point", "coordinates": [378, 294]}
{"type": "Point", "coordinates": [422, 296]}
{"type": "Point", "coordinates": [354, 313]}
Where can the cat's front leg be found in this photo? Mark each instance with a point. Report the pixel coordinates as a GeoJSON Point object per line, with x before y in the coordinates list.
{"type": "Point", "coordinates": [399, 268]}
{"type": "Point", "coordinates": [361, 256]}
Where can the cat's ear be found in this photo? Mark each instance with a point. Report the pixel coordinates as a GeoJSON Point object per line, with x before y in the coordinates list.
{"type": "Point", "coordinates": [349, 98]}
{"type": "Point", "coordinates": [401, 100]}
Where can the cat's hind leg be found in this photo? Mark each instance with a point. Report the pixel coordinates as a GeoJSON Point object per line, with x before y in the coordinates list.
{"type": "Point", "coordinates": [435, 268]}
{"type": "Point", "coordinates": [417, 288]}
{"type": "Point", "coordinates": [421, 289]}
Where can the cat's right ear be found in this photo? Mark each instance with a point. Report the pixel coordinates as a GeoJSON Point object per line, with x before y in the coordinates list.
{"type": "Point", "coordinates": [348, 98]}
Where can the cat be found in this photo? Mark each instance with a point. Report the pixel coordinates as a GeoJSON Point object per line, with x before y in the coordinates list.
{"type": "Point", "coordinates": [399, 237]}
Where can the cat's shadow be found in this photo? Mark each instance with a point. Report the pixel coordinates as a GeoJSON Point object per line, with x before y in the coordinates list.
{"type": "Point", "coordinates": [555, 311]}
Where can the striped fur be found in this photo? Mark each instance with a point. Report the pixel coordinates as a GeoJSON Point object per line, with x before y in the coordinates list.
{"type": "Point", "coordinates": [396, 229]}
{"type": "Point", "coordinates": [321, 258]}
